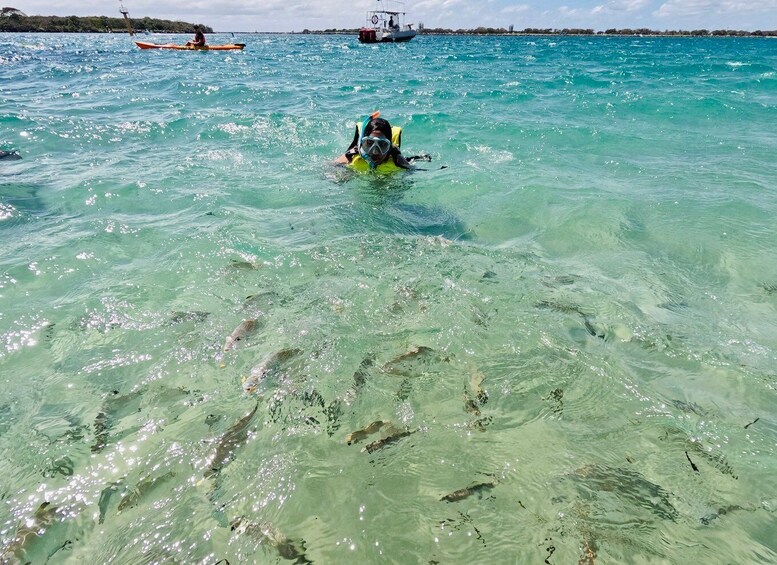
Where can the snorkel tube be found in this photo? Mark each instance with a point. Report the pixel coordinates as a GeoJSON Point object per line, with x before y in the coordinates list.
{"type": "Point", "coordinates": [362, 152]}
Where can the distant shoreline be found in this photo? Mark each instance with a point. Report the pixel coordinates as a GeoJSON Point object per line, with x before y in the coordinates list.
{"type": "Point", "coordinates": [762, 35]}
{"type": "Point", "coordinates": [101, 24]}
{"type": "Point", "coordinates": [554, 33]}
{"type": "Point", "coordinates": [13, 21]}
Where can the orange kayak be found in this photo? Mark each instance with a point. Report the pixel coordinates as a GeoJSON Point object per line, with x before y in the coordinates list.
{"type": "Point", "coordinates": [228, 47]}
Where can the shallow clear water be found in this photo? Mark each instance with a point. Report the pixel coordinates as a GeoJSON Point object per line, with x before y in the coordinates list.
{"type": "Point", "coordinates": [565, 331]}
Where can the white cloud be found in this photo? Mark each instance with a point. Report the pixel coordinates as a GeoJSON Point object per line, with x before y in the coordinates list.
{"type": "Point", "coordinates": [432, 6]}
{"type": "Point", "coordinates": [629, 5]}
{"type": "Point", "coordinates": [567, 12]}
{"type": "Point", "coordinates": [691, 8]}
{"type": "Point", "coordinates": [516, 9]}
{"type": "Point", "coordinates": [455, 14]}
{"type": "Point", "coordinates": [620, 6]}
{"type": "Point", "coordinates": [685, 8]}
{"type": "Point", "coordinates": [184, 9]}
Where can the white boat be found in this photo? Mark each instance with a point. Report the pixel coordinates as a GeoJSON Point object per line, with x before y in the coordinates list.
{"type": "Point", "coordinates": [386, 24]}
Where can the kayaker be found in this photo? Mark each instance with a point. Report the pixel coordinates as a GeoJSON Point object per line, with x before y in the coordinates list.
{"type": "Point", "coordinates": [375, 145]}
{"type": "Point", "coordinates": [199, 38]}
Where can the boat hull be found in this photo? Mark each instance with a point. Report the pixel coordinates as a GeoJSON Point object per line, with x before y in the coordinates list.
{"type": "Point", "coordinates": [228, 47]}
{"type": "Point", "coordinates": [372, 35]}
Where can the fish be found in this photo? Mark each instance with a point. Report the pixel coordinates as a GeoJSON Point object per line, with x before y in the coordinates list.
{"type": "Point", "coordinates": [359, 435]}
{"type": "Point", "coordinates": [333, 411]}
{"type": "Point", "coordinates": [359, 379]}
{"type": "Point", "coordinates": [228, 442]}
{"type": "Point", "coordinates": [709, 518]}
{"type": "Point", "coordinates": [116, 405]}
{"type": "Point", "coordinates": [629, 487]}
{"type": "Point", "coordinates": [360, 375]}
{"type": "Point", "coordinates": [770, 288]}
{"type": "Point", "coordinates": [475, 382]}
{"type": "Point", "coordinates": [102, 423]}
{"type": "Point", "coordinates": [44, 517]}
{"type": "Point", "coordinates": [463, 493]}
{"type": "Point", "coordinates": [589, 327]}
{"type": "Point", "coordinates": [105, 499]}
{"type": "Point", "coordinates": [693, 465]}
{"type": "Point", "coordinates": [392, 438]}
{"type": "Point", "coordinates": [689, 407]}
{"type": "Point", "coordinates": [714, 457]}
{"type": "Point", "coordinates": [143, 488]}
{"type": "Point", "coordinates": [240, 265]}
{"type": "Point", "coordinates": [474, 398]}
{"type": "Point", "coordinates": [291, 407]}
{"type": "Point", "coordinates": [10, 155]}
{"type": "Point", "coordinates": [479, 422]}
{"type": "Point", "coordinates": [416, 360]}
{"type": "Point", "coordinates": [471, 406]}
{"type": "Point", "coordinates": [572, 309]}
{"type": "Point", "coordinates": [751, 423]}
{"type": "Point", "coordinates": [556, 398]}
{"type": "Point", "coordinates": [261, 300]}
{"type": "Point", "coordinates": [270, 363]}
{"type": "Point", "coordinates": [266, 534]}
{"type": "Point", "coordinates": [181, 317]}
{"type": "Point", "coordinates": [246, 328]}
{"type": "Point", "coordinates": [560, 307]}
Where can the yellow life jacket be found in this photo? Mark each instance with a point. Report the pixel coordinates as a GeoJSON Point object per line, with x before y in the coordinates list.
{"type": "Point", "coordinates": [388, 166]}
{"type": "Point", "coordinates": [360, 164]}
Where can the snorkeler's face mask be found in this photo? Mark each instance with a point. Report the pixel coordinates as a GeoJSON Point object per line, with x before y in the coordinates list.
{"type": "Point", "coordinates": [376, 146]}
{"type": "Point", "coordinates": [372, 148]}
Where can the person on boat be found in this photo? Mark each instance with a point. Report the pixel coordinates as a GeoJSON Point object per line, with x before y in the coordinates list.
{"type": "Point", "coordinates": [199, 38]}
{"type": "Point", "coordinates": [375, 146]}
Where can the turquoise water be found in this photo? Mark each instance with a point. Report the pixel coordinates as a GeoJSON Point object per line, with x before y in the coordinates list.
{"type": "Point", "coordinates": [565, 323]}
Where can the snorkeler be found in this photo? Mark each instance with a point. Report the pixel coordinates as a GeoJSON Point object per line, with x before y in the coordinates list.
{"type": "Point", "coordinates": [375, 146]}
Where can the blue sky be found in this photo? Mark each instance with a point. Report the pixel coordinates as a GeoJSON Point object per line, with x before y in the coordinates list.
{"type": "Point", "coordinates": [296, 15]}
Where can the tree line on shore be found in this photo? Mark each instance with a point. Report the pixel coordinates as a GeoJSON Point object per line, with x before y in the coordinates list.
{"type": "Point", "coordinates": [571, 31]}
{"type": "Point", "coordinates": [91, 24]}
{"type": "Point", "coordinates": [14, 21]}
{"type": "Point", "coordinates": [612, 31]}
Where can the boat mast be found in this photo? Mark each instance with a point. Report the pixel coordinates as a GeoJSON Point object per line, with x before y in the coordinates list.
{"type": "Point", "coordinates": [127, 20]}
